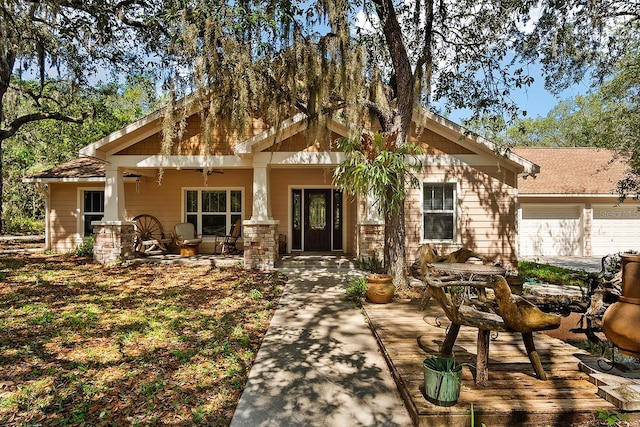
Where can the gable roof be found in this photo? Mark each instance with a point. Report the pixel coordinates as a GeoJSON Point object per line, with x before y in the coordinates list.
{"type": "Point", "coordinates": [574, 170]}
{"type": "Point", "coordinates": [474, 142]}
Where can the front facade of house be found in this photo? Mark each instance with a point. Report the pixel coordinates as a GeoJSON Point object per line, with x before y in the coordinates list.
{"type": "Point", "coordinates": [280, 185]}
{"type": "Point", "coordinates": [572, 208]}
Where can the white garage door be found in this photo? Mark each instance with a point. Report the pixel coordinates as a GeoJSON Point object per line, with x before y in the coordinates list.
{"type": "Point", "coordinates": [551, 230]}
{"type": "Point", "coordinates": [615, 228]}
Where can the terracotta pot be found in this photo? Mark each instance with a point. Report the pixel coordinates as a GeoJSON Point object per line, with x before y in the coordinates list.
{"type": "Point", "coordinates": [380, 288]}
{"type": "Point", "coordinates": [621, 321]}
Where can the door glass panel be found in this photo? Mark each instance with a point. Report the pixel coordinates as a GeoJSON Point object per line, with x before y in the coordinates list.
{"type": "Point", "coordinates": [317, 212]}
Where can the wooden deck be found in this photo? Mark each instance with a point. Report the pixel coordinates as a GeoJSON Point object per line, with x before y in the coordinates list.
{"type": "Point", "coordinates": [514, 397]}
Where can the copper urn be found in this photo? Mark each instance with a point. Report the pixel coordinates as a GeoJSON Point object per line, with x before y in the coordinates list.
{"type": "Point", "coordinates": [621, 321]}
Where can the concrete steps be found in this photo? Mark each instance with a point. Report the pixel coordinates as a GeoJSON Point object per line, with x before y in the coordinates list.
{"type": "Point", "coordinates": [315, 260]}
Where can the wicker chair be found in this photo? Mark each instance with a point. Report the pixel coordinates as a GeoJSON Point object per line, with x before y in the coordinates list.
{"type": "Point", "coordinates": [186, 239]}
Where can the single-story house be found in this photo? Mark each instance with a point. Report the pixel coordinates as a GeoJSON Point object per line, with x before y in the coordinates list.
{"type": "Point", "coordinates": [279, 184]}
{"type": "Point", "coordinates": [572, 207]}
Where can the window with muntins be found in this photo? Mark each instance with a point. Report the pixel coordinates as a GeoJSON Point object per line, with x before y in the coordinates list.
{"type": "Point", "coordinates": [439, 211]}
{"type": "Point", "coordinates": [213, 212]}
{"type": "Point", "coordinates": [92, 209]}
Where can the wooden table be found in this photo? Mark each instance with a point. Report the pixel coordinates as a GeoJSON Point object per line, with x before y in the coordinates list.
{"type": "Point", "coordinates": [467, 271]}
{"type": "Point", "coordinates": [474, 275]}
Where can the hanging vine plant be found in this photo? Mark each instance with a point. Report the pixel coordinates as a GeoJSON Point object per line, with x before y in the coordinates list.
{"type": "Point", "coordinates": [375, 165]}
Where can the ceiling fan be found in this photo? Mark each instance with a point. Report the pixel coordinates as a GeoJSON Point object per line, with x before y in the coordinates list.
{"type": "Point", "coordinates": [211, 171]}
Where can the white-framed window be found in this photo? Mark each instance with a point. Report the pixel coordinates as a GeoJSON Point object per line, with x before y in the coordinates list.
{"type": "Point", "coordinates": [92, 209]}
{"type": "Point", "coordinates": [213, 211]}
{"type": "Point", "coordinates": [438, 212]}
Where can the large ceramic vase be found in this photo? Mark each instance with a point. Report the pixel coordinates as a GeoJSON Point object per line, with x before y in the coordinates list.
{"type": "Point", "coordinates": [380, 288]}
{"type": "Point", "coordinates": [621, 321]}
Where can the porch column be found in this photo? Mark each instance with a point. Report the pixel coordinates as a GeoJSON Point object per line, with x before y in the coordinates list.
{"type": "Point", "coordinates": [370, 229]}
{"type": "Point", "coordinates": [260, 233]}
{"type": "Point", "coordinates": [261, 209]}
{"type": "Point", "coordinates": [114, 236]}
{"type": "Point", "coordinates": [113, 194]}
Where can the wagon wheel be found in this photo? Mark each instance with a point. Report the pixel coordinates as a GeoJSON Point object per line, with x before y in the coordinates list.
{"type": "Point", "coordinates": [147, 228]}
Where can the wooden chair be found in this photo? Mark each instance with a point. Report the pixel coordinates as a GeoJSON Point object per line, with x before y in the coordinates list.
{"type": "Point", "coordinates": [186, 239]}
{"type": "Point", "coordinates": [505, 312]}
{"type": "Point", "coordinates": [229, 244]}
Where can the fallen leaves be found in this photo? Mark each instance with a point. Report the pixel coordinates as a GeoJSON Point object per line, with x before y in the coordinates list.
{"type": "Point", "coordinates": [85, 344]}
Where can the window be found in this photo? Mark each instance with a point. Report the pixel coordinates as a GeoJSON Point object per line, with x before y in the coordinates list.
{"type": "Point", "coordinates": [213, 212]}
{"type": "Point", "coordinates": [92, 209]}
{"type": "Point", "coordinates": [439, 211]}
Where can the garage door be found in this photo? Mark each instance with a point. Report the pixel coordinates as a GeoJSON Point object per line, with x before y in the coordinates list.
{"type": "Point", "coordinates": [551, 230]}
{"type": "Point", "coordinates": [615, 228]}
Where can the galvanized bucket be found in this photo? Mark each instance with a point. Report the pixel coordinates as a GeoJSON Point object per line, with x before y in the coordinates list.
{"type": "Point", "coordinates": [442, 379]}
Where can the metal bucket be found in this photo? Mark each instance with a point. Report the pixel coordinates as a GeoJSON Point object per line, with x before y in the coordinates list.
{"type": "Point", "coordinates": [442, 386]}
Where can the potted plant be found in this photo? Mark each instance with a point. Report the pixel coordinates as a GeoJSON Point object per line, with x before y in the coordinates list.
{"type": "Point", "coordinates": [380, 288]}
{"type": "Point", "coordinates": [442, 380]}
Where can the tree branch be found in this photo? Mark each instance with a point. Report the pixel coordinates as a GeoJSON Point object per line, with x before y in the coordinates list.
{"type": "Point", "coordinates": [402, 66]}
{"type": "Point", "coordinates": [15, 125]}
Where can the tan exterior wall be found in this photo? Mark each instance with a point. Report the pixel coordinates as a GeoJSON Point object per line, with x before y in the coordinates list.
{"type": "Point", "coordinates": [486, 214]}
{"type": "Point", "coordinates": [63, 215]}
{"type": "Point", "coordinates": [434, 143]}
{"type": "Point", "coordinates": [193, 141]}
{"type": "Point", "coordinates": [486, 210]}
{"type": "Point", "coordinates": [163, 201]}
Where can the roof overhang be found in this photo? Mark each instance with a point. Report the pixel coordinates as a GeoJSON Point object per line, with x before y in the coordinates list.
{"type": "Point", "coordinates": [473, 142]}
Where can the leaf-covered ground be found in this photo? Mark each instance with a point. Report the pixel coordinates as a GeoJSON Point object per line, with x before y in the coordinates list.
{"type": "Point", "coordinates": [142, 344]}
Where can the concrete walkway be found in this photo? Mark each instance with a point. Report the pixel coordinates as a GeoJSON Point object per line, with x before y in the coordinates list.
{"type": "Point", "coordinates": [319, 364]}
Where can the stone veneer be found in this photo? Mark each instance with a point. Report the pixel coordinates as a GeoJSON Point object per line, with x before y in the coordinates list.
{"type": "Point", "coordinates": [113, 241]}
{"type": "Point", "coordinates": [371, 240]}
{"type": "Point", "coordinates": [260, 244]}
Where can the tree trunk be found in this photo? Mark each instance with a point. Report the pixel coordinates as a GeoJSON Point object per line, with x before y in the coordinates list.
{"type": "Point", "coordinates": [394, 248]}
{"type": "Point", "coordinates": [1, 186]}
{"type": "Point", "coordinates": [6, 68]}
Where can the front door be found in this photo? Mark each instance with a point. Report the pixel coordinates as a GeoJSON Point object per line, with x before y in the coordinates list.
{"type": "Point", "coordinates": [317, 220]}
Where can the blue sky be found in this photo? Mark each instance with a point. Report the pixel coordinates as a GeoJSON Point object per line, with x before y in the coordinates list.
{"type": "Point", "coordinates": [536, 100]}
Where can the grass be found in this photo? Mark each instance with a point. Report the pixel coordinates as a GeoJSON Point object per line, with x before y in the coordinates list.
{"type": "Point", "coordinates": [550, 274]}
{"type": "Point", "coordinates": [144, 344]}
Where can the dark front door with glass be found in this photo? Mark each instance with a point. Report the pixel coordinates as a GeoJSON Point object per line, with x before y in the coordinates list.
{"type": "Point", "coordinates": [317, 219]}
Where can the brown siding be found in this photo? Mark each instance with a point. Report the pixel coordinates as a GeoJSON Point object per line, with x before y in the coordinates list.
{"type": "Point", "coordinates": [298, 142]}
{"type": "Point", "coordinates": [434, 143]}
{"type": "Point", "coordinates": [192, 141]}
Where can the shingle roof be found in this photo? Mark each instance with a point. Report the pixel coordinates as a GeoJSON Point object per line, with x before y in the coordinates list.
{"type": "Point", "coordinates": [78, 169]}
{"type": "Point", "coordinates": [572, 171]}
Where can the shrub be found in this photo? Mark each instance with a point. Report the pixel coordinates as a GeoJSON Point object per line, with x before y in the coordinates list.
{"type": "Point", "coordinates": [371, 263]}
{"type": "Point", "coordinates": [86, 247]}
{"type": "Point", "coordinates": [356, 290]}
{"type": "Point", "coordinates": [22, 225]}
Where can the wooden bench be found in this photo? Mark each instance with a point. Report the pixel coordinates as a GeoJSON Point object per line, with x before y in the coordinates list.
{"type": "Point", "coordinates": [499, 311]}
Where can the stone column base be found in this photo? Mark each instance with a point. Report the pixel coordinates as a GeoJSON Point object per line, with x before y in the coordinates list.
{"type": "Point", "coordinates": [371, 240]}
{"type": "Point", "coordinates": [260, 244]}
{"type": "Point", "coordinates": [113, 241]}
